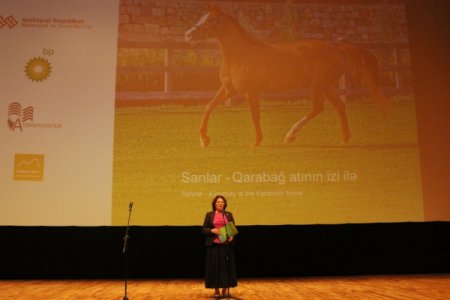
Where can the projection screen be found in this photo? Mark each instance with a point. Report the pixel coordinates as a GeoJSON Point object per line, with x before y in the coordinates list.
{"type": "Point", "coordinates": [105, 103]}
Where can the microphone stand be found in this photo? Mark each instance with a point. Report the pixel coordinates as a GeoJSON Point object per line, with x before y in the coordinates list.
{"type": "Point", "coordinates": [228, 296]}
{"type": "Point", "coordinates": [125, 251]}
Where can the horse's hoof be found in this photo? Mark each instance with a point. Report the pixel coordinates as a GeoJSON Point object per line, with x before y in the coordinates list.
{"type": "Point", "coordinates": [289, 139]}
{"type": "Point", "coordinates": [346, 138]}
{"type": "Point", "coordinates": [257, 142]}
{"type": "Point", "coordinates": [204, 141]}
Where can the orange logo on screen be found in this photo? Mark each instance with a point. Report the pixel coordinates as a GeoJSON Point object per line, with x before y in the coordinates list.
{"type": "Point", "coordinates": [17, 115]}
{"type": "Point", "coordinates": [8, 22]}
{"type": "Point", "coordinates": [29, 167]}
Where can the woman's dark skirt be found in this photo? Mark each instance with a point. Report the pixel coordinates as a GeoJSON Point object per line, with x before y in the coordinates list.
{"type": "Point", "coordinates": [220, 269]}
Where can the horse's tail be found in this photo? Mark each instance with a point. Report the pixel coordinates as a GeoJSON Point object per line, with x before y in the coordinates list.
{"type": "Point", "coordinates": [365, 64]}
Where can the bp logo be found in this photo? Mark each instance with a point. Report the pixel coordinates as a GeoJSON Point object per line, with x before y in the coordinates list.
{"type": "Point", "coordinates": [38, 69]}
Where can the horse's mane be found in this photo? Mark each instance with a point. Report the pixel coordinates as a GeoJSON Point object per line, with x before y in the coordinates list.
{"type": "Point", "coordinates": [242, 31]}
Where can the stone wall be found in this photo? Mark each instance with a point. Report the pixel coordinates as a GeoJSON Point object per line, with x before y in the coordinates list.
{"type": "Point", "coordinates": [372, 21]}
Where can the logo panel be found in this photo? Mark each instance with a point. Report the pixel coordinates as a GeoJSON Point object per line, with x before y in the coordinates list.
{"type": "Point", "coordinates": [29, 167]}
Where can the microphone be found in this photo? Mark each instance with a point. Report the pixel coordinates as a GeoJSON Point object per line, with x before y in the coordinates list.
{"type": "Point", "coordinates": [130, 206]}
{"type": "Point", "coordinates": [224, 215]}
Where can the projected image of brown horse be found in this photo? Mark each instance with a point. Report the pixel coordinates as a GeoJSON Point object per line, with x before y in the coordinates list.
{"type": "Point", "coordinates": [252, 67]}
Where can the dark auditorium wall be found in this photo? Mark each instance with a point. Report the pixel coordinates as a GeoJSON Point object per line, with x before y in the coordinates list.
{"type": "Point", "coordinates": [301, 250]}
{"type": "Point", "coordinates": [262, 251]}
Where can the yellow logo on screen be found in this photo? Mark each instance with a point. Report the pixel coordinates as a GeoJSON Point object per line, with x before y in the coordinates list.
{"type": "Point", "coordinates": [29, 167]}
{"type": "Point", "coordinates": [38, 69]}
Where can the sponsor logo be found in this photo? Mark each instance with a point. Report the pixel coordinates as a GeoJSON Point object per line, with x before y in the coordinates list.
{"type": "Point", "coordinates": [29, 167]}
{"type": "Point", "coordinates": [23, 117]}
{"type": "Point", "coordinates": [38, 69]}
{"type": "Point", "coordinates": [8, 22]}
{"type": "Point", "coordinates": [18, 115]}
{"type": "Point", "coordinates": [44, 23]}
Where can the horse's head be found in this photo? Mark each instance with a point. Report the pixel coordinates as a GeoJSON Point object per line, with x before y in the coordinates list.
{"type": "Point", "coordinates": [208, 26]}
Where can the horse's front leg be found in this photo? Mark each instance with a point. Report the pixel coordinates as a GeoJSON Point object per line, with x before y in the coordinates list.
{"type": "Point", "coordinates": [317, 107]}
{"type": "Point", "coordinates": [218, 99]}
{"type": "Point", "coordinates": [253, 102]}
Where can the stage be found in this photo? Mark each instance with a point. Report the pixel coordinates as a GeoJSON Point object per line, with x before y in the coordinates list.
{"type": "Point", "coordinates": [411, 287]}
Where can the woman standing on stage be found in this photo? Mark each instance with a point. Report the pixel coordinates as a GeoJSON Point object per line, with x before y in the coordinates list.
{"type": "Point", "coordinates": [220, 269]}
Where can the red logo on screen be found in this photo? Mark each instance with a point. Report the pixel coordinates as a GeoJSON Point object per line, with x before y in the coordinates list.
{"type": "Point", "coordinates": [23, 117]}
{"type": "Point", "coordinates": [17, 115]}
{"type": "Point", "coordinates": [8, 22]}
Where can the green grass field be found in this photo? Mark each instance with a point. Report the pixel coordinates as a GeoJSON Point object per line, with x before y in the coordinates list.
{"type": "Point", "coordinates": [157, 160]}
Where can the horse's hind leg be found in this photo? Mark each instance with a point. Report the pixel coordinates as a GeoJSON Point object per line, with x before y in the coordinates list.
{"type": "Point", "coordinates": [317, 107]}
{"type": "Point", "coordinates": [339, 106]}
{"type": "Point", "coordinates": [253, 102]}
{"type": "Point", "coordinates": [218, 99]}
